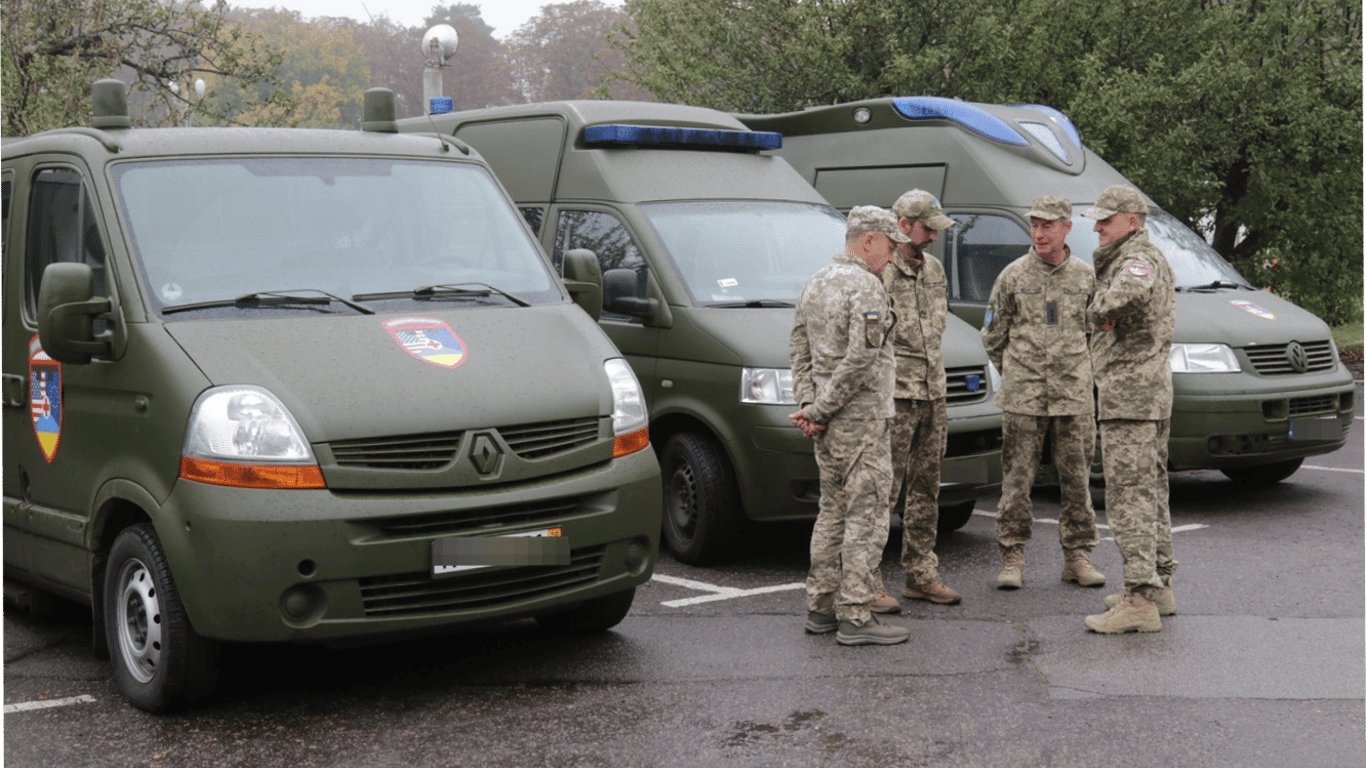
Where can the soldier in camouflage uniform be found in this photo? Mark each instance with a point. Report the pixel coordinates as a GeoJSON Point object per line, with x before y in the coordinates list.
{"type": "Point", "coordinates": [1036, 333]}
{"type": "Point", "coordinates": [842, 376]}
{"type": "Point", "coordinates": [916, 283]}
{"type": "Point", "coordinates": [1132, 315]}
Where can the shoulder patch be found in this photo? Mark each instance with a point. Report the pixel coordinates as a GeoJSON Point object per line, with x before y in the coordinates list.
{"type": "Point", "coordinates": [1137, 270]}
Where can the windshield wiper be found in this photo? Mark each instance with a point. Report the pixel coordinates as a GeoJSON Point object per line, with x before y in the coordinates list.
{"type": "Point", "coordinates": [1214, 286]}
{"type": "Point", "coordinates": [271, 299]}
{"type": "Point", "coordinates": [753, 304]}
{"type": "Point", "coordinates": [445, 291]}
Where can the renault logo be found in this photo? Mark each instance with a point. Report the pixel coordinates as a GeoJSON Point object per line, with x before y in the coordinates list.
{"type": "Point", "coordinates": [485, 455]}
{"type": "Point", "coordinates": [1297, 357]}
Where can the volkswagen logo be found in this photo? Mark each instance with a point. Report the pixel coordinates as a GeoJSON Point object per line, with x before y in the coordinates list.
{"type": "Point", "coordinates": [1297, 357]}
{"type": "Point", "coordinates": [485, 455]}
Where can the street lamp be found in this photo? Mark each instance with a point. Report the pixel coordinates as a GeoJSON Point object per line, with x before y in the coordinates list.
{"type": "Point", "coordinates": [438, 45]}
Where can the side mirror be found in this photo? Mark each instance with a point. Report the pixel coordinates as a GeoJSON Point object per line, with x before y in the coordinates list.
{"type": "Point", "coordinates": [583, 279]}
{"type": "Point", "coordinates": [67, 307]}
{"type": "Point", "coordinates": [619, 290]}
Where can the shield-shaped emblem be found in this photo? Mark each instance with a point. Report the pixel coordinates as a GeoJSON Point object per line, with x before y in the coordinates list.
{"type": "Point", "coordinates": [45, 398]}
{"type": "Point", "coordinates": [428, 339]}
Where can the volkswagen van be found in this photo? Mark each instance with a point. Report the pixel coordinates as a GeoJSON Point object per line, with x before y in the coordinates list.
{"type": "Point", "coordinates": [282, 385]}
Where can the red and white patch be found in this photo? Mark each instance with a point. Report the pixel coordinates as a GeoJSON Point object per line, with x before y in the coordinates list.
{"type": "Point", "coordinates": [1138, 270]}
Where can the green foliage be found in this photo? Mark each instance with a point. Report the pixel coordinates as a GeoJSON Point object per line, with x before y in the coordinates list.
{"type": "Point", "coordinates": [54, 50]}
{"type": "Point", "coordinates": [1243, 118]}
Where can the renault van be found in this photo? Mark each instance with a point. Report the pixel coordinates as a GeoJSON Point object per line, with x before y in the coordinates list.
{"type": "Point", "coordinates": [704, 245]}
{"type": "Point", "coordinates": [301, 386]}
{"type": "Point", "coordinates": [1257, 380]}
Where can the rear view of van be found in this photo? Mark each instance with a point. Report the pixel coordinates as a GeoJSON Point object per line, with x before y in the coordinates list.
{"type": "Point", "coordinates": [1257, 380]}
{"type": "Point", "coordinates": [704, 244]}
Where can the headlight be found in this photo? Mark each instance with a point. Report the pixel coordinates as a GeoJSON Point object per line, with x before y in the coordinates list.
{"type": "Point", "coordinates": [630, 419]}
{"type": "Point", "coordinates": [1203, 358]}
{"type": "Point", "coordinates": [994, 375]}
{"type": "Point", "coordinates": [244, 436]}
{"type": "Point", "coordinates": [766, 386]}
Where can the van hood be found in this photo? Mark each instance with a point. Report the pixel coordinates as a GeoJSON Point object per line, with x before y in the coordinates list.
{"type": "Point", "coordinates": [1237, 318]}
{"type": "Point", "coordinates": [345, 377]}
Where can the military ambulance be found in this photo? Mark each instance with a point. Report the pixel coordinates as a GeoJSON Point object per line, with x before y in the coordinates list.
{"type": "Point", "coordinates": [301, 386]}
{"type": "Point", "coordinates": [1258, 384]}
{"type": "Point", "coordinates": [704, 245]}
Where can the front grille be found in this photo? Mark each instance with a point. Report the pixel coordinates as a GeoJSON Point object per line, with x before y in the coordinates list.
{"type": "Point", "coordinates": [536, 441]}
{"type": "Point", "coordinates": [960, 381]}
{"type": "Point", "coordinates": [477, 519]}
{"type": "Point", "coordinates": [413, 452]}
{"type": "Point", "coordinates": [1272, 360]}
{"type": "Point", "coordinates": [1309, 406]}
{"type": "Point", "coordinates": [412, 594]}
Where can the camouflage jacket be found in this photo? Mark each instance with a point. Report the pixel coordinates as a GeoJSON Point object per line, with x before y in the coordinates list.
{"type": "Point", "coordinates": [1132, 314]}
{"type": "Point", "coordinates": [1037, 334]}
{"type": "Point", "coordinates": [841, 354]}
{"type": "Point", "coordinates": [921, 301]}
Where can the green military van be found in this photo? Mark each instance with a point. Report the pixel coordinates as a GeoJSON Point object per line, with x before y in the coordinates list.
{"type": "Point", "coordinates": [704, 245]}
{"type": "Point", "coordinates": [1258, 384]}
{"type": "Point", "coordinates": [304, 386]}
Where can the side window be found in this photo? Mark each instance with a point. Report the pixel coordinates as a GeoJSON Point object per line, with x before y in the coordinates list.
{"type": "Point", "coordinates": [977, 250]}
{"type": "Point", "coordinates": [605, 235]}
{"type": "Point", "coordinates": [61, 227]}
{"type": "Point", "coordinates": [533, 216]}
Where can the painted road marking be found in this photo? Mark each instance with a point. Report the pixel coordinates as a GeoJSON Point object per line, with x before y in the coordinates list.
{"type": "Point", "coordinates": [28, 706]}
{"type": "Point", "coordinates": [1099, 526]}
{"type": "Point", "coordinates": [716, 592]}
{"type": "Point", "coordinates": [1334, 469]}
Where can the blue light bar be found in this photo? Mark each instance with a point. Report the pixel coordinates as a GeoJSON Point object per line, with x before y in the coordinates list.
{"type": "Point", "coordinates": [661, 137]}
{"type": "Point", "coordinates": [973, 118]}
{"type": "Point", "coordinates": [1062, 121]}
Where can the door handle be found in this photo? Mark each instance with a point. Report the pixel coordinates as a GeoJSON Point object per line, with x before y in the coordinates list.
{"type": "Point", "coordinates": [15, 390]}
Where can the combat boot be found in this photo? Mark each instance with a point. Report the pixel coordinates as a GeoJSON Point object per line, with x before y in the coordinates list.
{"type": "Point", "coordinates": [935, 591]}
{"type": "Point", "coordinates": [1078, 568]}
{"type": "Point", "coordinates": [884, 603]}
{"type": "Point", "coordinates": [1132, 612]}
{"type": "Point", "coordinates": [872, 633]}
{"type": "Point", "coordinates": [1012, 569]}
{"type": "Point", "coordinates": [821, 622]}
{"type": "Point", "coordinates": [1166, 601]}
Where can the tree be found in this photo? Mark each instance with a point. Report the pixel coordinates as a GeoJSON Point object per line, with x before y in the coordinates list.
{"type": "Point", "coordinates": [565, 53]}
{"type": "Point", "coordinates": [1243, 114]}
{"type": "Point", "coordinates": [54, 50]}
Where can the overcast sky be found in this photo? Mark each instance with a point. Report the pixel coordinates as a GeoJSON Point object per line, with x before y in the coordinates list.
{"type": "Point", "coordinates": [505, 16]}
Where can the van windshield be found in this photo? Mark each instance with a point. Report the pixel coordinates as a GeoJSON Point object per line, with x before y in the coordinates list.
{"type": "Point", "coordinates": [747, 252]}
{"type": "Point", "coordinates": [1193, 261]}
{"type": "Point", "coordinates": [214, 229]}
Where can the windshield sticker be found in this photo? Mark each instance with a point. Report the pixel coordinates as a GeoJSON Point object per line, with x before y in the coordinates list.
{"type": "Point", "coordinates": [45, 398]}
{"type": "Point", "coordinates": [172, 292]}
{"type": "Point", "coordinates": [1249, 307]}
{"type": "Point", "coordinates": [727, 282]}
{"type": "Point", "coordinates": [429, 340]}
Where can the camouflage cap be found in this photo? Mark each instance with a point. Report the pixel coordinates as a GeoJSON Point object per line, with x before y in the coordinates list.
{"type": "Point", "coordinates": [1116, 198]}
{"type": "Point", "coordinates": [1051, 207]}
{"type": "Point", "coordinates": [870, 218]}
{"type": "Point", "coordinates": [921, 205]}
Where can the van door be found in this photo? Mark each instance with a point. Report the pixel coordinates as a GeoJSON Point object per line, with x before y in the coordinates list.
{"type": "Point", "coordinates": [51, 454]}
{"type": "Point", "coordinates": [15, 390]}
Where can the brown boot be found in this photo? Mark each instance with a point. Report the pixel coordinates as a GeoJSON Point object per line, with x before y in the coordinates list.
{"type": "Point", "coordinates": [1132, 613]}
{"type": "Point", "coordinates": [1078, 568]}
{"type": "Point", "coordinates": [1165, 600]}
{"type": "Point", "coordinates": [934, 591]}
{"type": "Point", "coordinates": [884, 603]}
{"type": "Point", "coordinates": [1012, 569]}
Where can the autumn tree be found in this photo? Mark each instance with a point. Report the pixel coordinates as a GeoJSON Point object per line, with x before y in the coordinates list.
{"type": "Point", "coordinates": [565, 53]}
{"type": "Point", "coordinates": [53, 51]}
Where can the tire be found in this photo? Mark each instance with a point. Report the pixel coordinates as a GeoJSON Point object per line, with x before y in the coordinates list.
{"type": "Point", "coordinates": [701, 501]}
{"type": "Point", "coordinates": [1263, 474]}
{"type": "Point", "coordinates": [160, 664]}
{"type": "Point", "coordinates": [955, 517]}
{"type": "Point", "coordinates": [597, 615]}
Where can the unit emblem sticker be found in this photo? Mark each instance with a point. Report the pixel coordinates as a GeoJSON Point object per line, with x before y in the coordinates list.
{"type": "Point", "coordinates": [45, 398]}
{"type": "Point", "coordinates": [1254, 309]}
{"type": "Point", "coordinates": [429, 340]}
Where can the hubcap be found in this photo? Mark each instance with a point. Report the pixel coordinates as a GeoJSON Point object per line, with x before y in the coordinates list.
{"type": "Point", "coordinates": [139, 621]}
{"type": "Point", "coordinates": [683, 499]}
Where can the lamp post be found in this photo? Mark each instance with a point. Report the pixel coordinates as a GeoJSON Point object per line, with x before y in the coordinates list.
{"type": "Point", "coordinates": [438, 45]}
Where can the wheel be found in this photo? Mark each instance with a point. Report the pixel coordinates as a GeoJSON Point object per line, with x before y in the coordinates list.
{"type": "Point", "coordinates": [701, 501]}
{"type": "Point", "coordinates": [1263, 474]}
{"type": "Point", "coordinates": [159, 661]}
{"type": "Point", "coordinates": [596, 615]}
{"type": "Point", "coordinates": [955, 517]}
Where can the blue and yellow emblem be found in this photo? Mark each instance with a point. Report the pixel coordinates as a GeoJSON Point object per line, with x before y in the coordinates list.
{"type": "Point", "coordinates": [429, 340]}
{"type": "Point", "coordinates": [45, 398]}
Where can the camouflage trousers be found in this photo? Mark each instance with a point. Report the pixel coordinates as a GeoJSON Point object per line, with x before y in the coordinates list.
{"type": "Point", "coordinates": [920, 431]}
{"type": "Point", "coordinates": [854, 458]}
{"type": "Point", "coordinates": [1074, 442]}
{"type": "Point", "coordinates": [1135, 457]}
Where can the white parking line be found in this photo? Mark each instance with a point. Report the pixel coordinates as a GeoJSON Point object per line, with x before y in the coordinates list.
{"type": "Point", "coordinates": [28, 706]}
{"type": "Point", "coordinates": [1099, 526]}
{"type": "Point", "coordinates": [1334, 469]}
{"type": "Point", "coordinates": [717, 592]}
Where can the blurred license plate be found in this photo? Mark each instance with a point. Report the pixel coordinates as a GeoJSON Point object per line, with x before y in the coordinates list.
{"type": "Point", "coordinates": [1316, 429]}
{"type": "Point", "coordinates": [452, 554]}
